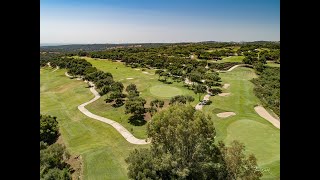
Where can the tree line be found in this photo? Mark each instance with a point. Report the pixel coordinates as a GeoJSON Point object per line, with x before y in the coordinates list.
{"type": "Point", "coordinates": [267, 88]}
{"type": "Point", "coordinates": [53, 156]}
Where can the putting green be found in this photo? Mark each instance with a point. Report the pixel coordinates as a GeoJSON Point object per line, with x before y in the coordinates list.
{"type": "Point", "coordinates": [265, 146]}
{"type": "Point", "coordinates": [165, 91]}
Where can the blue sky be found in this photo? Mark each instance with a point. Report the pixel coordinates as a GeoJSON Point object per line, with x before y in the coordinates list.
{"type": "Point", "coordinates": [130, 21]}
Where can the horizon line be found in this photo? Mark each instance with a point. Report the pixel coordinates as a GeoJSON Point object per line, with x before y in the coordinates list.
{"type": "Point", "coordinates": [61, 44]}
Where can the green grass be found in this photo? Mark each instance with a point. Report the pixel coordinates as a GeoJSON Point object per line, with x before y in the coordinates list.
{"type": "Point", "coordinates": [147, 84]}
{"type": "Point", "coordinates": [259, 136]}
{"type": "Point", "coordinates": [165, 91]}
{"type": "Point", "coordinates": [218, 110]}
{"type": "Point", "coordinates": [103, 149]}
{"type": "Point", "coordinates": [272, 64]}
{"type": "Point", "coordinates": [229, 59]}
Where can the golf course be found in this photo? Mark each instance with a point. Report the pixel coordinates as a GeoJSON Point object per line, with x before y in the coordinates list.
{"type": "Point", "coordinates": [103, 149]}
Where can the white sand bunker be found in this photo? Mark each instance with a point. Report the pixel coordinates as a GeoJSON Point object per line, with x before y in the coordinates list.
{"type": "Point", "coordinates": [129, 78]}
{"type": "Point", "coordinates": [225, 86]}
{"type": "Point", "coordinates": [137, 69]}
{"type": "Point", "coordinates": [226, 114]}
{"type": "Point", "coordinates": [224, 94]}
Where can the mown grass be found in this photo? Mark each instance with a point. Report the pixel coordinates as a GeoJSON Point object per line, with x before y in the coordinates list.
{"type": "Point", "coordinates": [103, 149]}
{"type": "Point", "coordinates": [148, 86]}
{"type": "Point", "coordinates": [259, 136]}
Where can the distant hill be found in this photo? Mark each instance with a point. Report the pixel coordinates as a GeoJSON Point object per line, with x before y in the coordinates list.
{"type": "Point", "coordinates": [93, 47]}
{"type": "Point", "coordinates": [51, 47]}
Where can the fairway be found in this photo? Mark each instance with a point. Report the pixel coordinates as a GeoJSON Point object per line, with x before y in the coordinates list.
{"type": "Point", "coordinates": [147, 85]}
{"type": "Point", "coordinates": [103, 149]}
{"type": "Point", "coordinates": [165, 91]}
{"type": "Point", "coordinates": [259, 136]}
{"type": "Point", "coordinates": [228, 59]}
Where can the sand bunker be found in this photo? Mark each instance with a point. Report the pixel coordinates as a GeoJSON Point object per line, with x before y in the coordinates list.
{"type": "Point", "coordinates": [265, 114]}
{"type": "Point", "coordinates": [129, 78]}
{"type": "Point", "coordinates": [137, 69]}
{"type": "Point", "coordinates": [225, 86]}
{"type": "Point", "coordinates": [226, 114]}
{"type": "Point", "coordinates": [224, 94]}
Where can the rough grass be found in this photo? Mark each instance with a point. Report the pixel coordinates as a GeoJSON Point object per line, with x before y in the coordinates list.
{"type": "Point", "coordinates": [103, 149]}
{"type": "Point", "coordinates": [259, 136]}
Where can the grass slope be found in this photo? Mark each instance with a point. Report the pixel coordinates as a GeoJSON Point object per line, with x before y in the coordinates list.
{"type": "Point", "coordinates": [102, 147]}
{"type": "Point", "coordinates": [259, 136]}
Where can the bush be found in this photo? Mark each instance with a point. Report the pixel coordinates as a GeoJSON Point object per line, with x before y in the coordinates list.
{"type": "Point", "coordinates": [49, 130]}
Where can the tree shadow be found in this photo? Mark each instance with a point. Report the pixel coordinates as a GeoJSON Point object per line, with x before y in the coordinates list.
{"type": "Point", "coordinates": [137, 120]}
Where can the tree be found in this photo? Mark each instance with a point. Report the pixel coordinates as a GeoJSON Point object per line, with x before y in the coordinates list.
{"type": "Point", "coordinates": [263, 59]}
{"type": "Point", "coordinates": [259, 67]}
{"type": "Point", "coordinates": [105, 90]}
{"type": "Point", "coordinates": [152, 110]}
{"type": "Point", "coordinates": [116, 96]}
{"type": "Point", "coordinates": [117, 86]}
{"type": "Point", "coordinates": [155, 105]}
{"type": "Point", "coordinates": [53, 163]}
{"type": "Point", "coordinates": [179, 99]}
{"type": "Point", "coordinates": [200, 89]}
{"type": "Point", "coordinates": [165, 75]}
{"type": "Point", "coordinates": [183, 147]}
{"type": "Point", "coordinates": [49, 130]}
{"type": "Point", "coordinates": [189, 99]}
{"type": "Point", "coordinates": [237, 164]}
{"type": "Point", "coordinates": [132, 90]}
{"type": "Point", "coordinates": [135, 106]}
{"type": "Point", "coordinates": [215, 91]}
{"type": "Point", "coordinates": [159, 71]}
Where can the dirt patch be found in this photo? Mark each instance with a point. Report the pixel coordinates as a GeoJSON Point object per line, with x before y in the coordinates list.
{"type": "Point", "coordinates": [224, 94]}
{"type": "Point", "coordinates": [225, 114]}
{"type": "Point", "coordinates": [129, 78]}
{"type": "Point", "coordinates": [60, 140]}
{"type": "Point", "coordinates": [225, 86]}
{"type": "Point", "coordinates": [76, 164]}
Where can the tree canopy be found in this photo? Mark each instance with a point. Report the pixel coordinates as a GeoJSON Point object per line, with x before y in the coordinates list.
{"type": "Point", "coordinates": [49, 129]}
{"type": "Point", "coordinates": [183, 147]}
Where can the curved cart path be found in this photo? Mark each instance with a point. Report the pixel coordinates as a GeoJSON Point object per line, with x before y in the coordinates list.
{"type": "Point", "coordinates": [123, 131]}
{"type": "Point", "coordinates": [235, 66]}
